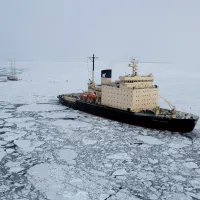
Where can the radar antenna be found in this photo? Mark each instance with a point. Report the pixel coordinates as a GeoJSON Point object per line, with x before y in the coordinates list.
{"type": "Point", "coordinates": [133, 64]}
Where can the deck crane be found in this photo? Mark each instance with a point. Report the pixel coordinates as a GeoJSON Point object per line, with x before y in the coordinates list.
{"type": "Point", "coordinates": [170, 105]}
{"type": "Point", "coordinates": [173, 108]}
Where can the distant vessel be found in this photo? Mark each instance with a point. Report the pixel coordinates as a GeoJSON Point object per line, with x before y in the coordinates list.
{"type": "Point", "coordinates": [132, 99]}
{"type": "Point", "coordinates": [13, 76]}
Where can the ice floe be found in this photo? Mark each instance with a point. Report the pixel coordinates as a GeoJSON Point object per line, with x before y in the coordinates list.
{"type": "Point", "coordinates": [73, 124]}
{"type": "Point", "coordinates": [39, 108]}
{"type": "Point", "coordinates": [19, 119]}
{"type": "Point", "coordinates": [119, 156]}
{"type": "Point", "coordinates": [2, 153]}
{"type": "Point", "coordinates": [195, 196]}
{"type": "Point", "coordinates": [149, 140]}
{"type": "Point", "coordinates": [88, 141]}
{"type": "Point", "coordinates": [120, 172]}
{"type": "Point", "coordinates": [4, 115]}
{"type": "Point", "coordinates": [195, 183]}
{"type": "Point", "coordinates": [68, 155]}
{"type": "Point", "coordinates": [1, 122]}
{"type": "Point", "coordinates": [97, 173]}
{"type": "Point", "coordinates": [190, 165]}
{"type": "Point", "coordinates": [178, 178]}
{"type": "Point", "coordinates": [66, 114]}
{"type": "Point", "coordinates": [4, 188]}
{"type": "Point", "coordinates": [13, 135]}
{"type": "Point", "coordinates": [14, 166]}
{"type": "Point", "coordinates": [27, 145]}
{"type": "Point", "coordinates": [153, 161]}
{"type": "Point", "coordinates": [52, 179]}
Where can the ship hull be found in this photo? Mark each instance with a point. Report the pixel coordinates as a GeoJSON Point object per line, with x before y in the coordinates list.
{"type": "Point", "coordinates": [138, 119]}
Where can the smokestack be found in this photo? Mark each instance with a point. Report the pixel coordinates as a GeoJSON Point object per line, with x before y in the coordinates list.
{"type": "Point", "coordinates": [106, 76]}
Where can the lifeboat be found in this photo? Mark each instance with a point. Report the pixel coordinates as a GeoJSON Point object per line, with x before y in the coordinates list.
{"type": "Point", "coordinates": [92, 96]}
{"type": "Point", "coordinates": [84, 96]}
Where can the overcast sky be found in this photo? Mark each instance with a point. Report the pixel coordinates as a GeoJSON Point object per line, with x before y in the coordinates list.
{"type": "Point", "coordinates": [150, 30]}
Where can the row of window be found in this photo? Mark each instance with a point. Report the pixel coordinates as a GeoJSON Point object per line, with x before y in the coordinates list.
{"type": "Point", "coordinates": [145, 104]}
{"type": "Point", "coordinates": [119, 104]}
{"type": "Point", "coordinates": [146, 95]}
{"type": "Point", "coordinates": [122, 91]}
{"type": "Point", "coordinates": [116, 100]}
{"type": "Point", "coordinates": [146, 100]}
{"type": "Point", "coordinates": [146, 91]}
{"type": "Point", "coordinates": [131, 81]}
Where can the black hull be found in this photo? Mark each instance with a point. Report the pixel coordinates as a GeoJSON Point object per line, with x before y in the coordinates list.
{"type": "Point", "coordinates": [143, 120]}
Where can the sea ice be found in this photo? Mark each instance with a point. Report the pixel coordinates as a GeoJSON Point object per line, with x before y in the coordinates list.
{"type": "Point", "coordinates": [76, 182]}
{"type": "Point", "coordinates": [5, 129]}
{"type": "Point", "coordinates": [4, 115]}
{"type": "Point", "coordinates": [2, 153]}
{"type": "Point", "coordinates": [4, 188]}
{"type": "Point", "coordinates": [109, 165]}
{"type": "Point", "coordinates": [124, 194]}
{"type": "Point", "coordinates": [104, 196]}
{"type": "Point", "coordinates": [119, 156]}
{"type": "Point", "coordinates": [27, 145]}
{"type": "Point", "coordinates": [2, 143]}
{"type": "Point", "coordinates": [177, 145]}
{"type": "Point", "coordinates": [179, 142]}
{"type": "Point", "coordinates": [97, 173]}
{"type": "Point", "coordinates": [149, 140]}
{"type": "Point", "coordinates": [52, 179]}
{"type": "Point", "coordinates": [195, 196]}
{"type": "Point", "coordinates": [178, 178]}
{"type": "Point", "coordinates": [190, 165]}
{"type": "Point", "coordinates": [71, 124]}
{"type": "Point", "coordinates": [153, 161]}
{"type": "Point", "coordinates": [175, 196]}
{"type": "Point", "coordinates": [7, 124]}
{"type": "Point", "coordinates": [56, 115]}
{"type": "Point", "coordinates": [120, 172]}
{"type": "Point", "coordinates": [75, 195]}
{"type": "Point", "coordinates": [68, 155]}
{"type": "Point", "coordinates": [195, 183]}
{"type": "Point", "coordinates": [153, 197]}
{"type": "Point", "coordinates": [25, 124]}
{"type": "Point", "coordinates": [87, 141]}
{"type": "Point", "coordinates": [14, 166]}
{"type": "Point", "coordinates": [10, 150]}
{"type": "Point", "coordinates": [39, 108]}
{"type": "Point", "coordinates": [146, 175]}
{"type": "Point", "coordinates": [19, 119]}
{"type": "Point", "coordinates": [9, 107]}
{"type": "Point", "coordinates": [13, 135]}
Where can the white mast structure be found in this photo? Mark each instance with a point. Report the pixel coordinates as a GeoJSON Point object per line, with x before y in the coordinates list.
{"type": "Point", "coordinates": [133, 64]}
{"type": "Point", "coordinates": [93, 59]}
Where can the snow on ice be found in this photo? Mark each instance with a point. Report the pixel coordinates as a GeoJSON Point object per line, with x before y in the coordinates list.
{"type": "Point", "coordinates": [50, 152]}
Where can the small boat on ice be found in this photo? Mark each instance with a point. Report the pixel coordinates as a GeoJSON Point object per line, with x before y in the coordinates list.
{"type": "Point", "coordinates": [13, 76]}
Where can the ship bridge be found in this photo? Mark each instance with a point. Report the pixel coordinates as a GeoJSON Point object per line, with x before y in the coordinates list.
{"type": "Point", "coordinates": [136, 81]}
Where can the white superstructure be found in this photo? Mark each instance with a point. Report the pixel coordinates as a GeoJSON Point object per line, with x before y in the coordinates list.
{"type": "Point", "coordinates": [132, 92]}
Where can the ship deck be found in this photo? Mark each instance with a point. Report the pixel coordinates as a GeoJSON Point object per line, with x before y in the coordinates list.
{"type": "Point", "coordinates": [164, 113]}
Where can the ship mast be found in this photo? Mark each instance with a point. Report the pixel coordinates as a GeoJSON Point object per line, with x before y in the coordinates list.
{"type": "Point", "coordinates": [14, 68]}
{"type": "Point", "coordinates": [11, 68]}
{"type": "Point", "coordinates": [133, 64]}
{"type": "Point", "coordinates": [93, 59]}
